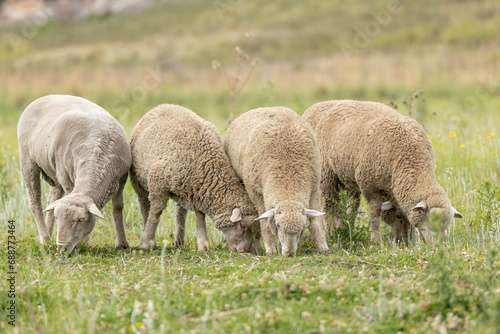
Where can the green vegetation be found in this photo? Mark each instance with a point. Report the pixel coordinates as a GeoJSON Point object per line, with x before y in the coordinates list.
{"type": "Point", "coordinates": [133, 62]}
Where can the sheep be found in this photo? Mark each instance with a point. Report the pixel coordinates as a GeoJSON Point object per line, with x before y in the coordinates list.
{"type": "Point", "coordinates": [177, 154]}
{"type": "Point", "coordinates": [369, 148]}
{"type": "Point", "coordinates": [80, 150]}
{"type": "Point", "coordinates": [273, 151]}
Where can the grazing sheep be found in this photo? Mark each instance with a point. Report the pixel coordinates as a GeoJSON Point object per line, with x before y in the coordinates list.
{"type": "Point", "coordinates": [274, 153]}
{"type": "Point", "coordinates": [177, 154]}
{"type": "Point", "coordinates": [80, 150]}
{"type": "Point", "coordinates": [368, 148]}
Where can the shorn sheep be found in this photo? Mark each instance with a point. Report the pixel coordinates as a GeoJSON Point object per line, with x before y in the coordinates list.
{"type": "Point", "coordinates": [177, 154]}
{"type": "Point", "coordinates": [274, 153]}
{"type": "Point", "coordinates": [369, 149]}
{"type": "Point", "coordinates": [80, 150]}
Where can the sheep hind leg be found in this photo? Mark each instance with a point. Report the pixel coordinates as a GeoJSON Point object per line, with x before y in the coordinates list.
{"type": "Point", "coordinates": [31, 175]}
{"type": "Point", "coordinates": [330, 187]}
{"type": "Point", "coordinates": [56, 192]}
{"type": "Point", "coordinates": [180, 225]}
{"type": "Point", "coordinates": [158, 204]}
{"type": "Point", "coordinates": [117, 203]}
{"type": "Point", "coordinates": [143, 197]}
{"type": "Point", "coordinates": [201, 232]}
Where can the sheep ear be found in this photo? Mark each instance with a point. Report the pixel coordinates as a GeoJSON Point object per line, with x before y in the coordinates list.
{"type": "Point", "coordinates": [267, 214]}
{"type": "Point", "coordinates": [236, 216]}
{"type": "Point", "coordinates": [313, 213]}
{"type": "Point", "coordinates": [386, 206]}
{"type": "Point", "coordinates": [52, 206]}
{"type": "Point", "coordinates": [456, 214]}
{"type": "Point", "coordinates": [94, 210]}
{"type": "Point", "coordinates": [420, 207]}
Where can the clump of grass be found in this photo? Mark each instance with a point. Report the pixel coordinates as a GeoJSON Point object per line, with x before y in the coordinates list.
{"type": "Point", "coordinates": [489, 201]}
{"type": "Point", "coordinates": [238, 74]}
{"type": "Point", "coordinates": [347, 236]}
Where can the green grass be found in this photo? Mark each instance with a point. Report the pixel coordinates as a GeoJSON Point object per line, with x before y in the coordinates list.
{"type": "Point", "coordinates": [453, 286]}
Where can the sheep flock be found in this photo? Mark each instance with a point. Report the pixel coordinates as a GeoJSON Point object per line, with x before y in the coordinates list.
{"type": "Point", "coordinates": [277, 176]}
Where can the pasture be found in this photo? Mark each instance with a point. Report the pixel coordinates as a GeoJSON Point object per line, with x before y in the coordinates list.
{"type": "Point", "coordinates": [308, 51]}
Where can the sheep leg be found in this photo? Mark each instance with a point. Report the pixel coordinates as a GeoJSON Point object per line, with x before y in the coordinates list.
{"type": "Point", "coordinates": [56, 192]}
{"type": "Point", "coordinates": [201, 232]}
{"type": "Point", "coordinates": [268, 236]}
{"type": "Point", "coordinates": [31, 174]}
{"type": "Point", "coordinates": [117, 203]}
{"type": "Point", "coordinates": [375, 204]}
{"type": "Point", "coordinates": [143, 197]}
{"type": "Point", "coordinates": [180, 225]}
{"type": "Point", "coordinates": [158, 204]}
{"type": "Point", "coordinates": [265, 233]}
{"type": "Point", "coordinates": [330, 195]}
{"type": "Point", "coordinates": [316, 226]}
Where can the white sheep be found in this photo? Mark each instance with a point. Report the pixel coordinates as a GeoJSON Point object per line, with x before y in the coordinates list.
{"type": "Point", "coordinates": [177, 154]}
{"type": "Point", "coordinates": [80, 150]}
{"type": "Point", "coordinates": [274, 153]}
{"type": "Point", "coordinates": [369, 148]}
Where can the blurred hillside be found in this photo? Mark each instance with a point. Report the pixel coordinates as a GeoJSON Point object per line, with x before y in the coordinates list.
{"type": "Point", "coordinates": [308, 51]}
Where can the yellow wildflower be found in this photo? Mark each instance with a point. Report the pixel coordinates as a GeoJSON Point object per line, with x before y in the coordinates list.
{"type": "Point", "coordinates": [463, 146]}
{"type": "Point", "coordinates": [452, 134]}
{"type": "Point", "coordinates": [138, 324]}
{"type": "Point", "coordinates": [429, 136]}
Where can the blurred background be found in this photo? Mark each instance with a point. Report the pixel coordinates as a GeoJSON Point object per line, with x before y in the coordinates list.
{"type": "Point", "coordinates": [129, 56]}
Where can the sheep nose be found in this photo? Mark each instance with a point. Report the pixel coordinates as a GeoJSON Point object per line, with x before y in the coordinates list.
{"type": "Point", "coordinates": [61, 249]}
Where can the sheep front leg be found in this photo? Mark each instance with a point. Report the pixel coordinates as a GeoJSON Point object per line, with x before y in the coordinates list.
{"type": "Point", "coordinates": [180, 225]}
{"type": "Point", "coordinates": [268, 236]}
{"type": "Point", "coordinates": [316, 226]}
{"type": "Point", "coordinates": [375, 205]}
{"type": "Point", "coordinates": [31, 175]}
{"type": "Point", "coordinates": [117, 203]}
{"type": "Point", "coordinates": [56, 192]}
{"type": "Point", "coordinates": [201, 232]}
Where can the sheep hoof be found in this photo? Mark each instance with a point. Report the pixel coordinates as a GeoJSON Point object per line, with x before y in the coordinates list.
{"type": "Point", "coordinates": [148, 245]}
{"type": "Point", "coordinates": [121, 245]}
{"type": "Point", "coordinates": [376, 237]}
{"type": "Point", "coordinates": [271, 252]}
{"type": "Point", "coordinates": [204, 247]}
{"type": "Point", "coordinates": [324, 250]}
{"type": "Point", "coordinates": [44, 239]}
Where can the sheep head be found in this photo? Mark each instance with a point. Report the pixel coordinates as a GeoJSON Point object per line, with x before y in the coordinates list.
{"type": "Point", "coordinates": [396, 219]}
{"type": "Point", "coordinates": [290, 221]}
{"type": "Point", "coordinates": [75, 215]}
{"type": "Point", "coordinates": [422, 214]}
{"type": "Point", "coordinates": [239, 234]}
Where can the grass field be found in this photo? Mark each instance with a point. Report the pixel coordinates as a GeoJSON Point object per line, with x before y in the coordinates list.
{"type": "Point", "coordinates": [308, 51]}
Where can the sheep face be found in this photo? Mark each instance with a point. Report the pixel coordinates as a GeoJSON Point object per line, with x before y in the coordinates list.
{"type": "Point", "coordinates": [421, 215]}
{"type": "Point", "coordinates": [76, 216]}
{"type": "Point", "coordinates": [290, 221]}
{"type": "Point", "coordinates": [396, 219]}
{"type": "Point", "coordinates": [239, 235]}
